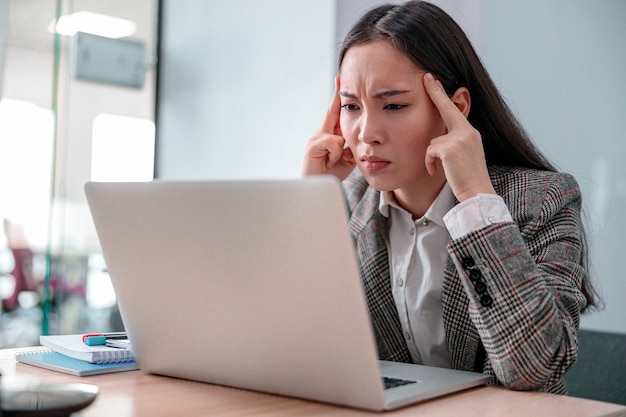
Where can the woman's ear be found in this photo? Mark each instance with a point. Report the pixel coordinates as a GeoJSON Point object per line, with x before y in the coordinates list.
{"type": "Point", "coordinates": [462, 100]}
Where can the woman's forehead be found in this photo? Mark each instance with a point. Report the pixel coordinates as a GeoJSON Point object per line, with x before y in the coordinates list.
{"type": "Point", "coordinates": [377, 63]}
{"type": "Point", "coordinates": [377, 53]}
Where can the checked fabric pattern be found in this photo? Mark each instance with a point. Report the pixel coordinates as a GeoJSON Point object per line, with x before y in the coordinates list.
{"type": "Point", "coordinates": [525, 332]}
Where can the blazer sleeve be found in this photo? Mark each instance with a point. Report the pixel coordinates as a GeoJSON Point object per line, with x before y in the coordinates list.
{"type": "Point", "coordinates": [523, 280]}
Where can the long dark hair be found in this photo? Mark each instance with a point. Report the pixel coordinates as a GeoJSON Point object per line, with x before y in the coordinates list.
{"type": "Point", "coordinates": [434, 42]}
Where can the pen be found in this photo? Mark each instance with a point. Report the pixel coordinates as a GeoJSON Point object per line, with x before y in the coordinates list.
{"type": "Point", "coordinates": [95, 339]}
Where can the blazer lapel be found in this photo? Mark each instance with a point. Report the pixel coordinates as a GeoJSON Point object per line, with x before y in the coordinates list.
{"type": "Point", "coordinates": [369, 231]}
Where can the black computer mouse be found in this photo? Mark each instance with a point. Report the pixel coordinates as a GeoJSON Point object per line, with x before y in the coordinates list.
{"type": "Point", "coordinates": [49, 400]}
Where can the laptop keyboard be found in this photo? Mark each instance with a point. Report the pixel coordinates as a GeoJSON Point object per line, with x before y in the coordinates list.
{"type": "Point", "coordinates": [395, 382]}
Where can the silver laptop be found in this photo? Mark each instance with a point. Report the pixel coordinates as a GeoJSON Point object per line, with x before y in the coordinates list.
{"type": "Point", "coordinates": [254, 285]}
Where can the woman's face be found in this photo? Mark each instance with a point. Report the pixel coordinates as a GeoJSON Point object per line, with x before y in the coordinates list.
{"type": "Point", "coordinates": [388, 118]}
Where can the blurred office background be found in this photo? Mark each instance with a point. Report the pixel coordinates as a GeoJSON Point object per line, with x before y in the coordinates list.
{"type": "Point", "coordinates": [237, 89]}
{"type": "Point", "coordinates": [58, 129]}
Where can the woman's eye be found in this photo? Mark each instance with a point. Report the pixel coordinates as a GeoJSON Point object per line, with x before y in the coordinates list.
{"type": "Point", "coordinates": [350, 107]}
{"type": "Point", "coordinates": [395, 107]}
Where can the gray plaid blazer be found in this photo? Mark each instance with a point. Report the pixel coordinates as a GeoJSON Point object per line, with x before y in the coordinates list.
{"type": "Point", "coordinates": [511, 291]}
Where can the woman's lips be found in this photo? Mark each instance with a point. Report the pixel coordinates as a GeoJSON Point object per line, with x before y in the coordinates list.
{"type": "Point", "coordinates": [373, 163]}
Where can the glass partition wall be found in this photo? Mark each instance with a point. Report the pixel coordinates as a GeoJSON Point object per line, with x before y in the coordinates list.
{"type": "Point", "coordinates": [77, 94]}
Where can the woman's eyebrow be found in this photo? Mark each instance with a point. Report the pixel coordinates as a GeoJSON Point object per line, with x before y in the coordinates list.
{"type": "Point", "coordinates": [346, 94]}
{"type": "Point", "coordinates": [390, 93]}
{"type": "Point", "coordinates": [382, 94]}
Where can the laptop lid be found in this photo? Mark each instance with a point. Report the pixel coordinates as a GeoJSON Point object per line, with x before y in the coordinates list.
{"type": "Point", "coordinates": [250, 284]}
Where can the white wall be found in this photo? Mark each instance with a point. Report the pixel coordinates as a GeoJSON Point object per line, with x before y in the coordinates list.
{"type": "Point", "coordinates": [243, 86]}
{"type": "Point", "coordinates": [24, 77]}
{"type": "Point", "coordinates": [4, 24]}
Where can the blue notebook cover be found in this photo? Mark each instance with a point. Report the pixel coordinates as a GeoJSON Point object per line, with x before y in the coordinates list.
{"type": "Point", "coordinates": [57, 362]}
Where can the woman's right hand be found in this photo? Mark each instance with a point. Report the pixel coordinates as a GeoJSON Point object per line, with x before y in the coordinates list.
{"type": "Point", "coordinates": [326, 151]}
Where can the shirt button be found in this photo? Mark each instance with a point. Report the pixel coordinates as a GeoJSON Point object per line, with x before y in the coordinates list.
{"type": "Point", "coordinates": [491, 219]}
{"type": "Point", "coordinates": [407, 335]}
{"type": "Point", "coordinates": [412, 231]}
{"type": "Point", "coordinates": [426, 223]}
{"type": "Point", "coordinates": [399, 282]}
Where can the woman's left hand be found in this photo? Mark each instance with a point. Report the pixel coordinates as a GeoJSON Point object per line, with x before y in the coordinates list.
{"type": "Point", "coordinates": [460, 149]}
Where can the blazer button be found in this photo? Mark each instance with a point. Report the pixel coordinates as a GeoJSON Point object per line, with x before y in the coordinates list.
{"type": "Point", "coordinates": [480, 287]}
{"type": "Point", "coordinates": [475, 275]}
{"type": "Point", "coordinates": [486, 300]}
{"type": "Point", "coordinates": [468, 262]}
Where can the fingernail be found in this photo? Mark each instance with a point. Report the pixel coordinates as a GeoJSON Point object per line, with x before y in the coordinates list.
{"type": "Point", "coordinates": [430, 78]}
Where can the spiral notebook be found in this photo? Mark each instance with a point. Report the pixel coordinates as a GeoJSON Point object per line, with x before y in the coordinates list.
{"type": "Point", "coordinates": [72, 345]}
{"type": "Point", "coordinates": [55, 361]}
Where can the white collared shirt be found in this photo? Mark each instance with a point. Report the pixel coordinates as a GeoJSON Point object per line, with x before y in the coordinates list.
{"type": "Point", "coordinates": [417, 255]}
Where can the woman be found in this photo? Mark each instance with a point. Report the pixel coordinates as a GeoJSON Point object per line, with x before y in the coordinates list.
{"type": "Point", "coordinates": [470, 244]}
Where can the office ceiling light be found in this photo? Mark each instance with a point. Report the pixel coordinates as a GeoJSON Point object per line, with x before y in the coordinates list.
{"type": "Point", "coordinates": [94, 23]}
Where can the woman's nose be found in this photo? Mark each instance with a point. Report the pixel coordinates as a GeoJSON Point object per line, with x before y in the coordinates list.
{"type": "Point", "coordinates": [370, 129]}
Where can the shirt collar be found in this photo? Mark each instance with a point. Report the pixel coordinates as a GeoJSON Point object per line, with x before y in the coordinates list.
{"type": "Point", "coordinates": [444, 202]}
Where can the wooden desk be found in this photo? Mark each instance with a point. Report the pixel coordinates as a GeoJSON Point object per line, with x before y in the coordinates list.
{"type": "Point", "coordinates": [140, 394]}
